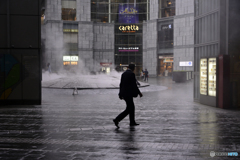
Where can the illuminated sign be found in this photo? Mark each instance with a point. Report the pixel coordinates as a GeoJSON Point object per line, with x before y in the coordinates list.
{"type": "Point", "coordinates": [128, 49]}
{"type": "Point", "coordinates": [74, 58]}
{"type": "Point", "coordinates": [168, 60]}
{"type": "Point", "coordinates": [185, 63]}
{"type": "Point", "coordinates": [70, 58]}
{"type": "Point", "coordinates": [163, 57]}
{"type": "Point", "coordinates": [66, 58]}
{"type": "Point", "coordinates": [168, 26]}
{"type": "Point", "coordinates": [129, 28]}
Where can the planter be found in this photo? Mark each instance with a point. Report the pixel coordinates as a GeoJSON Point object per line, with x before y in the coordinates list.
{"type": "Point", "coordinates": [180, 76]}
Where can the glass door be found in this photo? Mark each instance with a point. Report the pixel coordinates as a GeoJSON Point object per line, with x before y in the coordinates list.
{"type": "Point", "coordinates": [203, 76]}
{"type": "Point", "coordinates": [212, 76]}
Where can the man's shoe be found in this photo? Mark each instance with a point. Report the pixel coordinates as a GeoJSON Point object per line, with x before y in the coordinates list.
{"type": "Point", "coordinates": [134, 124]}
{"type": "Point", "coordinates": [116, 123]}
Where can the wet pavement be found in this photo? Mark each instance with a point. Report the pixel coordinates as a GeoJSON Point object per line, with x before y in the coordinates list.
{"type": "Point", "coordinates": [75, 127]}
{"type": "Point", "coordinates": [101, 81]}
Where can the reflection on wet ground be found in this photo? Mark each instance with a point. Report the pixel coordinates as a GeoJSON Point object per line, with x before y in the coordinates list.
{"type": "Point", "coordinates": [80, 126]}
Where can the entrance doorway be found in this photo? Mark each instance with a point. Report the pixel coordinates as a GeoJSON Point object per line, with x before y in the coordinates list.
{"type": "Point", "coordinates": [165, 66]}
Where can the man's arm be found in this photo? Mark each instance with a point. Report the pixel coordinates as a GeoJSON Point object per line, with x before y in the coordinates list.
{"type": "Point", "coordinates": [138, 91]}
{"type": "Point", "coordinates": [120, 89]}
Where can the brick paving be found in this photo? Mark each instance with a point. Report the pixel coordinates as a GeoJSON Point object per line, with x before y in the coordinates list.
{"type": "Point", "coordinates": [75, 127]}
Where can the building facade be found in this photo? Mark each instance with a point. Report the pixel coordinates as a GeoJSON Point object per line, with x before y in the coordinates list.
{"type": "Point", "coordinates": [169, 37]}
{"type": "Point", "coordinates": [127, 17]}
{"type": "Point", "coordinates": [109, 34]}
{"type": "Point", "coordinates": [71, 40]}
{"type": "Point", "coordinates": [216, 42]}
{"type": "Point", "coordinates": [20, 56]}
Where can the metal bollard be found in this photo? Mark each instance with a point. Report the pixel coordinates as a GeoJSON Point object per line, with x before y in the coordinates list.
{"type": "Point", "coordinates": [75, 91]}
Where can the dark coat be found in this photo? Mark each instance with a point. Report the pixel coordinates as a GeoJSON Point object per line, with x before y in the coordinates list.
{"type": "Point", "coordinates": [128, 86]}
{"type": "Point", "coordinates": [146, 73]}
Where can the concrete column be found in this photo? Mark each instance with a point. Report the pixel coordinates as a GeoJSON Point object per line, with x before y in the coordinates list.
{"type": "Point", "coordinates": [184, 34]}
{"type": "Point", "coordinates": [154, 9]}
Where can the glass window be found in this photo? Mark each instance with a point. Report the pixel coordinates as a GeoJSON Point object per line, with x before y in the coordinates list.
{"type": "Point", "coordinates": [70, 37]}
{"type": "Point", "coordinates": [114, 8]}
{"type": "Point", "coordinates": [101, 18]}
{"type": "Point", "coordinates": [165, 36]}
{"type": "Point", "coordinates": [120, 11]}
{"type": "Point", "coordinates": [69, 10]}
{"type": "Point", "coordinates": [99, 7]}
{"type": "Point", "coordinates": [168, 3]}
{"type": "Point", "coordinates": [167, 8]}
{"type": "Point", "coordinates": [167, 12]}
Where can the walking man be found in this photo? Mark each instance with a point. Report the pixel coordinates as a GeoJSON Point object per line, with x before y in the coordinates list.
{"type": "Point", "coordinates": [128, 90]}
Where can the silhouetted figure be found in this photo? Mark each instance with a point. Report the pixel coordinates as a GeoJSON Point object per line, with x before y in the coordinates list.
{"type": "Point", "coordinates": [128, 90]}
{"type": "Point", "coordinates": [49, 68]}
{"type": "Point", "coordinates": [146, 75]}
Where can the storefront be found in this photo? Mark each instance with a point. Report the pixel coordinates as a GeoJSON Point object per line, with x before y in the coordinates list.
{"type": "Point", "coordinates": [165, 47]}
{"type": "Point", "coordinates": [128, 17]}
{"type": "Point", "coordinates": [165, 65]}
{"type": "Point", "coordinates": [105, 67]}
{"type": "Point", "coordinates": [128, 46]}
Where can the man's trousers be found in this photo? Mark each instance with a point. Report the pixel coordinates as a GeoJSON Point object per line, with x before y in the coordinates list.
{"type": "Point", "coordinates": [130, 109]}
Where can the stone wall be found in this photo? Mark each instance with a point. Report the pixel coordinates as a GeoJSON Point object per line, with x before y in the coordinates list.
{"type": "Point", "coordinates": [53, 10]}
{"type": "Point", "coordinates": [83, 10]}
{"type": "Point", "coordinates": [104, 43]}
{"type": "Point", "coordinates": [154, 9]}
{"type": "Point", "coordinates": [53, 44]}
{"type": "Point", "coordinates": [184, 34]}
{"type": "Point", "coordinates": [85, 43]}
{"type": "Point", "coordinates": [150, 47]}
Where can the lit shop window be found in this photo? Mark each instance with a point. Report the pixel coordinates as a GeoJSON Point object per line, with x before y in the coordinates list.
{"type": "Point", "coordinates": [69, 10]}
{"type": "Point", "coordinates": [203, 77]}
{"type": "Point", "coordinates": [66, 63]}
{"type": "Point", "coordinates": [70, 63]}
{"type": "Point", "coordinates": [212, 78]}
{"type": "Point", "coordinates": [74, 63]}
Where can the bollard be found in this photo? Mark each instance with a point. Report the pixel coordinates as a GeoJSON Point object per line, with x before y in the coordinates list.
{"type": "Point", "coordinates": [75, 91]}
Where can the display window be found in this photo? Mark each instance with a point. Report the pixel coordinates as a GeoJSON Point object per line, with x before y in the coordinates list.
{"type": "Point", "coordinates": [212, 77]}
{"type": "Point", "coordinates": [203, 76]}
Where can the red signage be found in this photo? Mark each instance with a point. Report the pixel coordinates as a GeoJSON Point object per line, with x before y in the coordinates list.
{"type": "Point", "coordinates": [104, 64]}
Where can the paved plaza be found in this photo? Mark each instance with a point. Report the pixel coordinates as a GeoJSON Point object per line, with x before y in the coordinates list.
{"type": "Point", "coordinates": [80, 127]}
{"type": "Point", "coordinates": [71, 81]}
